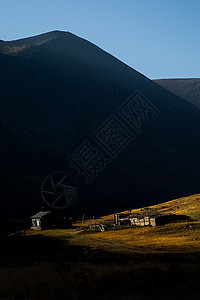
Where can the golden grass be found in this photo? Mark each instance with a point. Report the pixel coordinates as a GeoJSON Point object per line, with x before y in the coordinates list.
{"type": "Point", "coordinates": [175, 237]}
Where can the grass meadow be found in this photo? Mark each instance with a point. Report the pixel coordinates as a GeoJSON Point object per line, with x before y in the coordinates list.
{"type": "Point", "coordinates": [151, 263]}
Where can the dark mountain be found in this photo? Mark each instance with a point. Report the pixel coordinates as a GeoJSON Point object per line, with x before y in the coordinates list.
{"type": "Point", "coordinates": [188, 88]}
{"type": "Point", "coordinates": [58, 91]}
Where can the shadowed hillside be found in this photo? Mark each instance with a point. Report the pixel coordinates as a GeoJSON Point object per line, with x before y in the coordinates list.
{"type": "Point", "coordinates": [57, 91]}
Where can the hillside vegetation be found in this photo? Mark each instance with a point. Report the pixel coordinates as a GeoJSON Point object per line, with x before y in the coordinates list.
{"type": "Point", "coordinates": [174, 237]}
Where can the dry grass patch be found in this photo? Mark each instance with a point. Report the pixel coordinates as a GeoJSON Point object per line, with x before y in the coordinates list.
{"type": "Point", "coordinates": [174, 237]}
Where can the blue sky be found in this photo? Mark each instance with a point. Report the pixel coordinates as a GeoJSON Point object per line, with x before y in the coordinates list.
{"type": "Point", "coordinates": [159, 38]}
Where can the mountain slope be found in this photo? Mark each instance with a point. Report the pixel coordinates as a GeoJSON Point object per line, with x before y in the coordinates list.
{"type": "Point", "coordinates": [188, 89]}
{"type": "Point", "coordinates": [56, 90]}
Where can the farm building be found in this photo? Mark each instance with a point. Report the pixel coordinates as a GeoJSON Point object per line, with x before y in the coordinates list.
{"type": "Point", "coordinates": [48, 220]}
{"type": "Point", "coordinates": [141, 221]}
{"type": "Point", "coordinates": [148, 220]}
{"type": "Point", "coordinates": [123, 219]}
{"type": "Point", "coordinates": [38, 220]}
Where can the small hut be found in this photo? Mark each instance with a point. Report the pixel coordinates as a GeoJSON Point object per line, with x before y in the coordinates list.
{"type": "Point", "coordinates": [38, 220]}
{"type": "Point", "coordinates": [50, 220]}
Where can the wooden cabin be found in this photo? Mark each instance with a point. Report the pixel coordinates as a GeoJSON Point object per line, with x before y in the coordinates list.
{"type": "Point", "coordinates": [38, 220]}
{"type": "Point", "coordinates": [121, 219]}
{"type": "Point", "coordinates": [140, 221]}
{"type": "Point", "coordinates": [148, 220]}
{"type": "Point", "coordinates": [50, 220]}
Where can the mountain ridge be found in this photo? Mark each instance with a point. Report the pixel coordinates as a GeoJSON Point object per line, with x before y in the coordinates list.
{"type": "Point", "coordinates": [16, 46]}
{"type": "Point", "coordinates": [186, 88]}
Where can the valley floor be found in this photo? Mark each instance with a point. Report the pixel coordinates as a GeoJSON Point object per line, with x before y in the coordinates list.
{"type": "Point", "coordinates": [39, 267]}
{"type": "Point", "coordinates": [170, 238]}
{"type": "Point", "coordinates": [139, 263]}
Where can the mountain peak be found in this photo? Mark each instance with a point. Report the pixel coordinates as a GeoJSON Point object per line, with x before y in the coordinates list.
{"type": "Point", "coordinates": [17, 46]}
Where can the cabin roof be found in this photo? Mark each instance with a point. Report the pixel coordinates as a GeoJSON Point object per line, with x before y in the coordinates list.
{"type": "Point", "coordinates": [40, 214]}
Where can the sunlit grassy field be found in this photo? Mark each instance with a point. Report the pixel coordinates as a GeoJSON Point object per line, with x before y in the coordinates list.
{"type": "Point", "coordinates": [174, 237]}
{"type": "Point", "coordinates": [139, 263]}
